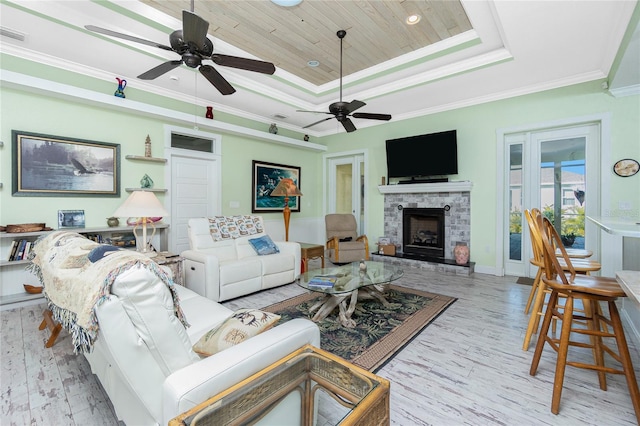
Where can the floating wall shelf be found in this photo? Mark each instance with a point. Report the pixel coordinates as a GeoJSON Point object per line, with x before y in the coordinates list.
{"type": "Point", "coordinates": [141, 158]}
{"type": "Point", "coordinates": [146, 189]}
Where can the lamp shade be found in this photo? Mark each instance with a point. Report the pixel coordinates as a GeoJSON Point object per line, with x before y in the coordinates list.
{"type": "Point", "coordinates": [286, 188]}
{"type": "Point", "coordinates": [141, 204]}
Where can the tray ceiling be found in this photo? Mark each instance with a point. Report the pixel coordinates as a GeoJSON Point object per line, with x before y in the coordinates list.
{"type": "Point", "coordinates": [461, 52]}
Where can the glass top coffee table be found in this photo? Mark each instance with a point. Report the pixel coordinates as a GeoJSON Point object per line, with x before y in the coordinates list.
{"type": "Point", "coordinates": [308, 387]}
{"type": "Point", "coordinates": [343, 285]}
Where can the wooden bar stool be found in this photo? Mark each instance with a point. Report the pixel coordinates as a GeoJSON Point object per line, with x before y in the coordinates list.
{"type": "Point", "coordinates": [591, 291]}
{"type": "Point", "coordinates": [539, 289]}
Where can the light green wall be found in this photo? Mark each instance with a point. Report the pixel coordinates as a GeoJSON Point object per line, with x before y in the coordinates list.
{"type": "Point", "coordinates": [477, 141]}
{"type": "Point", "coordinates": [476, 126]}
{"type": "Point", "coordinates": [51, 116]}
{"type": "Point", "coordinates": [238, 154]}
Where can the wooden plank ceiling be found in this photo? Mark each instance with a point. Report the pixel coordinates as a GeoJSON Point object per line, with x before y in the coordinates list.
{"type": "Point", "coordinates": [290, 37]}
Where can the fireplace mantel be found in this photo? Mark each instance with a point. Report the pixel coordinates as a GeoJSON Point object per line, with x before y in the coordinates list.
{"type": "Point", "coordinates": [413, 188]}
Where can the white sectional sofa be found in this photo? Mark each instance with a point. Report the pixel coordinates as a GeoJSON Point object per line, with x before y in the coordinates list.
{"type": "Point", "coordinates": [141, 350]}
{"type": "Point", "coordinates": [222, 264]}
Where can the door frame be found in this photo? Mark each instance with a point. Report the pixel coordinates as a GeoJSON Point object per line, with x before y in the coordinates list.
{"type": "Point", "coordinates": [170, 153]}
{"type": "Point", "coordinates": [329, 190]}
{"type": "Point", "coordinates": [602, 158]}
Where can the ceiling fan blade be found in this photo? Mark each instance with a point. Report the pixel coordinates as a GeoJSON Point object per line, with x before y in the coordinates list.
{"type": "Point", "coordinates": [371, 116]}
{"type": "Point", "coordinates": [126, 37]}
{"type": "Point", "coordinates": [317, 122]}
{"type": "Point", "coordinates": [244, 63]}
{"type": "Point", "coordinates": [194, 29]}
{"type": "Point", "coordinates": [314, 112]}
{"type": "Point", "coordinates": [159, 70]}
{"type": "Point", "coordinates": [348, 125]}
{"type": "Point", "coordinates": [354, 105]}
{"type": "Point", "coordinates": [218, 81]}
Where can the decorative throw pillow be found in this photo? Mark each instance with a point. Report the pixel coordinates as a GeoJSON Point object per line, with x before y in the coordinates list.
{"type": "Point", "coordinates": [243, 324]}
{"type": "Point", "coordinates": [232, 227]}
{"type": "Point", "coordinates": [257, 221]}
{"type": "Point", "coordinates": [214, 230]}
{"type": "Point", "coordinates": [245, 225]}
{"type": "Point", "coordinates": [264, 245]}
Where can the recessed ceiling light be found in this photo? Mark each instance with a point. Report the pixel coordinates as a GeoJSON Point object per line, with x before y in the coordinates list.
{"type": "Point", "coordinates": [413, 19]}
{"type": "Point", "coordinates": [287, 3]}
{"type": "Point", "coordinates": [313, 63]}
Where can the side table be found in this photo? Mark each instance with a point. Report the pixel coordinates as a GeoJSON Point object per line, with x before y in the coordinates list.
{"type": "Point", "coordinates": [310, 251]}
{"type": "Point", "coordinates": [302, 381]}
{"type": "Point", "coordinates": [173, 262]}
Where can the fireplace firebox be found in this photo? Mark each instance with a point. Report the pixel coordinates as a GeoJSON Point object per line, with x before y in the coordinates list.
{"type": "Point", "coordinates": [423, 232]}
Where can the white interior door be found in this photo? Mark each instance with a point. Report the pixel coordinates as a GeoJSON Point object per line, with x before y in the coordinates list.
{"type": "Point", "coordinates": [195, 193]}
{"type": "Point", "coordinates": [346, 186]}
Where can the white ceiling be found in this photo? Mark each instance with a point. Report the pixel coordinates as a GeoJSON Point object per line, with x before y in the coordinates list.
{"type": "Point", "coordinates": [514, 48]}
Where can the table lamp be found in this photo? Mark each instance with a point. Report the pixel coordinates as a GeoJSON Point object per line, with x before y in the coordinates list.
{"type": "Point", "coordinates": [145, 205]}
{"type": "Point", "coordinates": [286, 188]}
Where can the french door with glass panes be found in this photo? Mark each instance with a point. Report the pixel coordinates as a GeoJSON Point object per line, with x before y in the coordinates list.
{"type": "Point", "coordinates": [556, 171]}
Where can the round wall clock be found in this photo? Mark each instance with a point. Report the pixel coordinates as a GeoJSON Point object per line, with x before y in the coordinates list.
{"type": "Point", "coordinates": [626, 167]}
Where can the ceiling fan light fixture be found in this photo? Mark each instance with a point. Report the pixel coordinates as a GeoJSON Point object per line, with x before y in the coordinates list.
{"type": "Point", "coordinates": [413, 19]}
{"type": "Point", "coordinates": [313, 63]}
{"type": "Point", "coordinates": [287, 3]}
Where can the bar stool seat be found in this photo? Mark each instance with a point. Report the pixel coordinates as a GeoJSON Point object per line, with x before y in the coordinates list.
{"type": "Point", "coordinates": [539, 289]}
{"type": "Point", "coordinates": [591, 291]}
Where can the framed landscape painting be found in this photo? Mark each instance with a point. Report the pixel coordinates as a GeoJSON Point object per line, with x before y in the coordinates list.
{"type": "Point", "coordinates": [56, 166]}
{"type": "Point", "coordinates": [265, 178]}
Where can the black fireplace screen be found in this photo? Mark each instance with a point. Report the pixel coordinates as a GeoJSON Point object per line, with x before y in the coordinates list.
{"type": "Point", "coordinates": [423, 231]}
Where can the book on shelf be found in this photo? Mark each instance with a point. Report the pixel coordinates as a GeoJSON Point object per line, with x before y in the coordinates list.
{"type": "Point", "coordinates": [27, 250]}
{"type": "Point", "coordinates": [323, 281]}
{"type": "Point", "coordinates": [12, 250]}
{"type": "Point", "coordinates": [20, 251]}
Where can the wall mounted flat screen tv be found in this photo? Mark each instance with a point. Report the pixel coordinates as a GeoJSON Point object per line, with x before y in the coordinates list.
{"type": "Point", "coordinates": [433, 154]}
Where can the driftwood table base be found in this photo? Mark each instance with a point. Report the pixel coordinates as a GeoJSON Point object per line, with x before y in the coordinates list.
{"type": "Point", "coordinates": [346, 303]}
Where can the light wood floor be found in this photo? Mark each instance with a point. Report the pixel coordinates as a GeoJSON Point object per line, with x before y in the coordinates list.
{"type": "Point", "coordinates": [467, 367]}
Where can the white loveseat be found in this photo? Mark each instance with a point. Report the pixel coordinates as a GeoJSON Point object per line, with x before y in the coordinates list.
{"type": "Point", "coordinates": [142, 352]}
{"type": "Point", "coordinates": [222, 264]}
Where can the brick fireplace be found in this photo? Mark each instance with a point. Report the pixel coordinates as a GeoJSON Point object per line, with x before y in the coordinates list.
{"type": "Point", "coordinates": [452, 199]}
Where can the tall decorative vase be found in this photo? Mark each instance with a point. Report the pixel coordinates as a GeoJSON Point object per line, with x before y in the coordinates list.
{"type": "Point", "coordinates": [461, 253]}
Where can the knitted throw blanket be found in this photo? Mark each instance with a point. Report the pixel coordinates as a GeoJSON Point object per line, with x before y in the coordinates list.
{"type": "Point", "coordinates": [77, 275]}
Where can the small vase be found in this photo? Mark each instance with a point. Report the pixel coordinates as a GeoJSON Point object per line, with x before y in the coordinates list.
{"type": "Point", "coordinates": [113, 221]}
{"type": "Point", "coordinates": [461, 253]}
{"type": "Point", "coordinates": [209, 113]}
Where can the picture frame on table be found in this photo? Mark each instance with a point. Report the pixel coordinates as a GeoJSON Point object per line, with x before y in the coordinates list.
{"type": "Point", "coordinates": [56, 166]}
{"type": "Point", "coordinates": [70, 219]}
{"type": "Point", "coordinates": [265, 177]}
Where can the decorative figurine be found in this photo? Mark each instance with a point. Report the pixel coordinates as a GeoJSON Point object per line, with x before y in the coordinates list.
{"type": "Point", "coordinates": [461, 253]}
{"type": "Point", "coordinates": [146, 182]}
{"type": "Point", "coordinates": [147, 147]}
{"type": "Point", "coordinates": [306, 138]}
{"type": "Point", "coordinates": [209, 113]}
{"type": "Point", "coordinates": [122, 83]}
{"type": "Point", "coordinates": [273, 129]}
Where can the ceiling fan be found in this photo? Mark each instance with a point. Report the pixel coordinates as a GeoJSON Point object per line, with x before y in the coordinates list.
{"type": "Point", "coordinates": [192, 44]}
{"type": "Point", "coordinates": [343, 110]}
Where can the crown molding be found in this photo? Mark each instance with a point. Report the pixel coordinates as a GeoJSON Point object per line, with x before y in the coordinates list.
{"type": "Point", "coordinates": [64, 91]}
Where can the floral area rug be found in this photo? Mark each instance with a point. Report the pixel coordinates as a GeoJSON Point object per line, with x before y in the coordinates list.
{"type": "Point", "coordinates": [381, 332]}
